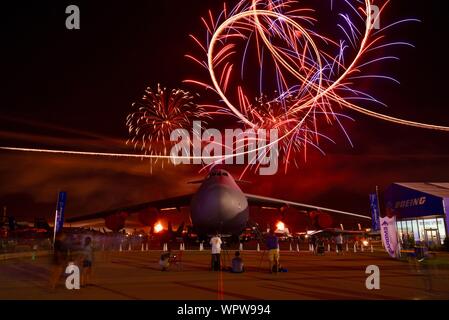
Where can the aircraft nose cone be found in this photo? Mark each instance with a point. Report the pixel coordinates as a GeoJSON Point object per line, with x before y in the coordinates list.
{"type": "Point", "coordinates": [218, 206]}
{"type": "Point", "coordinates": [221, 203]}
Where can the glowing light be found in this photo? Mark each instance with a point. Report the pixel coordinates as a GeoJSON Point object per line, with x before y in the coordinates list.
{"type": "Point", "coordinates": [158, 227]}
{"type": "Point", "coordinates": [365, 243]}
{"type": "Point", "coordinates": [168, 209]}
{"type": "Point", "coordinates": [280, 226]}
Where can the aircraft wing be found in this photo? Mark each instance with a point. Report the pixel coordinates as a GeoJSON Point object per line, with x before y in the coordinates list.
{"type": "Point", "coordinates": [335, 231]}
{"type": "Point", "coordinates": [260, 201]}
{"type": "Point", "coordinates": [175, 202]}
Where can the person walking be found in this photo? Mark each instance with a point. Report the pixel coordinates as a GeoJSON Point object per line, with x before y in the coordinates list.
{"type": "Point", "coordinates": [215, 243]}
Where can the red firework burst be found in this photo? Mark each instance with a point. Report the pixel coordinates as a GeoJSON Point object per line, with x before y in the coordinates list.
{"type": "Point", "coordinates": [159, 113]}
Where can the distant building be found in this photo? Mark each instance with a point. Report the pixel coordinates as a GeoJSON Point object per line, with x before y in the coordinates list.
{"type": "Point", "coordinates": [421, 209]}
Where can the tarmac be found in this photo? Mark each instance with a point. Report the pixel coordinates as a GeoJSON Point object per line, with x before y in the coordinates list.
{"type": "Point", "coordinates": [136, 275]}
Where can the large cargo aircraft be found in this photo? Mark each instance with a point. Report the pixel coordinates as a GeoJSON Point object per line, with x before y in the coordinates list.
{"type": "Point", "coordinates": [218, 206]}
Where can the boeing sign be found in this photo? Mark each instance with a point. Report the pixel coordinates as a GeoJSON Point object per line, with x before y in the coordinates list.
{"type": "Point", "coordinates": [406, 202]}
{"type": "Point", "coordinates": [410, 203]}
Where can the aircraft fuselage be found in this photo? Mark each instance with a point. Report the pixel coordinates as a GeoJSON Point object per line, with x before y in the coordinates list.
{"type": "Point", "coordinates": [219, 205]}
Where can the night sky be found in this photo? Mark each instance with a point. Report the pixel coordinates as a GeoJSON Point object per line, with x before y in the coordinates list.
{"type": "Point", "coordinates": [72, 89]}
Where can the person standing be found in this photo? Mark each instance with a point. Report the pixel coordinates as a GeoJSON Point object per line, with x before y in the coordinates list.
{"type": "Point", "coordinates": [339, 243]}
{"type": "Point", "coordinates": [215, 243]}
{"type": "Point", "coordinates": [60, 259]}
{"type": "Point", "coordinates": [88, 256]}
{"type": "Point", "coordinates": [273, 251]}
{"type": "Point", "coordinates": [313, 242]}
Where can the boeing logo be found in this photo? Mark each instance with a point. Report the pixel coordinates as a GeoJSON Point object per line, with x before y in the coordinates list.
{"type": "Point", "coordinates": [410, 203]}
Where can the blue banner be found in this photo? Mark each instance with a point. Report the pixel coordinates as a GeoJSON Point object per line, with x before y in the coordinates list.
{"type": "Point", "coordinates": [405, 202]}
{"type": "Point", "coordinates": [375, 212]}
{"type": "Point", "coordinates": [59, 216]}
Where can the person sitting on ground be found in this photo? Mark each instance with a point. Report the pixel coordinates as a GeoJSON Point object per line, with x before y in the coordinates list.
{"type": "Point", "coordinates": [237, 263]}
{"type": "Point", "coordinates": [164, 260]}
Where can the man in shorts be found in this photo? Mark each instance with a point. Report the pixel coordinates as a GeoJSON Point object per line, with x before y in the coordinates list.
{"type": "Point", "coordinates": [273, 251]}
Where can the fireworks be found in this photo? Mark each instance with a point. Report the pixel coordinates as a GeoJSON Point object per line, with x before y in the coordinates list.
{"type": "Point", "coordinates": [313, 73]}
{"type": "Point", "coordinates": [295, 138]}
{"type": "Point", "coordinates": [306, 65]}
{"type": "Point", "coordinates": [158, 115]}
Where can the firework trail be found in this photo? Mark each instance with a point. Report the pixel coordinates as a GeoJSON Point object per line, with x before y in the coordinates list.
{"type": "Point", "coordinates": [304, 66]}
{"type": "Point", "coordinates": [314, 75]}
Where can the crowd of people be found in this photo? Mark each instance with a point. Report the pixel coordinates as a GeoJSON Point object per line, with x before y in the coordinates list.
{"type": "Point", "coordinates": [237, 264]}
{"type": "Point", "coordinates": [79, 250]}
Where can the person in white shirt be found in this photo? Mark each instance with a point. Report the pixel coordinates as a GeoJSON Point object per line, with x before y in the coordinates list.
{"type": "Point", "coordinates": [215, 243]}
{"type": "Point", "coordinates": [339, 242]}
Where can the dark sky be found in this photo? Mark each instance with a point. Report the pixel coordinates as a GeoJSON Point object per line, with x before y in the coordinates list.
{"type": "Point", "coordinates": [72, 89]}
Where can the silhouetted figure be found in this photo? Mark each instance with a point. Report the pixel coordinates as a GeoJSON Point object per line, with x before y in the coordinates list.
{"type": "Point", "coordinates": [60, 258]}
{"type": "Point", "coordinates": [87, 257]}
